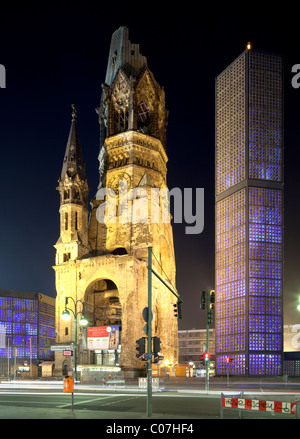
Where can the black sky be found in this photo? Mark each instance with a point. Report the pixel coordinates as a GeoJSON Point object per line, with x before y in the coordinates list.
{"type": "Point", "coordinates": [55, 54]}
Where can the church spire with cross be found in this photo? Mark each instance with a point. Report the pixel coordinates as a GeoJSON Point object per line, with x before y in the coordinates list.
{"type": "Point", "coordinates": [73, 189]}
{"type": "Point", "coordinates": [73, 161]}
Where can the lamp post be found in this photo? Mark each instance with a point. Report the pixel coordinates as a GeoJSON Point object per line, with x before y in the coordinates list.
{"type": "Point", "coordinates": [83, 321]}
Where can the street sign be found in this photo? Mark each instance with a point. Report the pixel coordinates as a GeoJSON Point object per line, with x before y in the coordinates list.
{"type": "Point", "coordinates": [61, 348]}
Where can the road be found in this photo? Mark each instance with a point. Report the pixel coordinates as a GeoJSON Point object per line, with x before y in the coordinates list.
{"type": "Point", "coordinates": [106, 406]}
{"type": "Point", "coordinates": [49, 402]}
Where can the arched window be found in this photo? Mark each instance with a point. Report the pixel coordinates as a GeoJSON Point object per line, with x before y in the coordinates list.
{"type": "Point", "coordinates": [66, 194]}
{"type": "Point", "coordinates": [76, 220]}
{"type": "Point", "coordinates": [121, 120]}
{"type": "Point", "coordinates": [66, 220]}
{"type": "Point", "coordinates": [76, 194]}
{"type": "Point", "coordinates": [143, 117]}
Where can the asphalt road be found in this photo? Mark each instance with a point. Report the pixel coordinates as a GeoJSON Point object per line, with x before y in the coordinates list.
{"type": "Point", "coordinates": [177, 406]}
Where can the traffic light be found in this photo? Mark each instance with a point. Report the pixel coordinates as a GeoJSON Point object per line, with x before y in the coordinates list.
{"type": "Point", "coordinates": [141, 348]}
{"type": "Point", "coordinates": [156, 345]}
{"type": "Point", "coordinates": [206, 356]}
{"type": "Point", "coordinates": [156, 349]}
{"type": "Point", "coordinates": [177, 310]}
{"type": "Point", "coordinates": [212, 299]}
{"type": "Point", "coordinates": [209, 316]}
{"type": "Point", "coordinates": [202, 301]}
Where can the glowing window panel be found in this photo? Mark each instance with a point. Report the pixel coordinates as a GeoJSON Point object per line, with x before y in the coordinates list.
{"type": "Point", "coordinates": [31, 317]}
{"type": "Point", "coordinates": [8, 328]}
{"type": "Point", "coordinates": [18, 340]}
{"type": "Point", "coordinates": [47, 331]}
{"type": "Point", "coordinates": [257, 364]}
{"type": "Point", "coordinates": [18, 316]}
{"type": "Point", "coordinates": [273, 306]}
{"type": "Point", "coordinates": [273, 324]}
{"type": "Point", "coordinates": [5, 302]}
{"type": "Point", "coordinates": [237, 342]}
{"type": "Point", "coordinates": [273, 342]}
{"type": "Point", "coordinates": [31, 329]}
{"type": "Point", "coordinates": [274, 252]}
{"type": "Point", "coordinates": [256, 287]}
{"type": "Point", "coordinates": [257, 323]}
{"type": "Point", "coordinates": [31, 352]}
{"type": "Point", "coordinates": [257, 170]}
{"type": "Point", "coordinates": [5, 315]}
{"type": "Point", "coordinates": [257, 232]}
{"type": "Point", "coordinates": [31, 305]}
{"type": "Point", "coordinates": [46, 353]}
{"type": "Point", "coordinates": [237, 366]}
{"type": "Point", "coordinates": [273, 288]}
{"type": "Point", "coordinates": [31, 340]}
{"type": "Point", "coordinates": [20, 351]}
{"type": "Point", "coordinates": [18, 328]}
{"type": "Point", "coordinates": [18, 304]}
{"type": "Point", "coordinates": [257, 305]}
{"type": "Point", "coordinates": [273, 364]}
{"type": "Point", "coordinates": [256, 342]}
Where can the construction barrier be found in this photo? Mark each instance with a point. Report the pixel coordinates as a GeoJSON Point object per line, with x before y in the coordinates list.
{"type": "Point", "coordinates": [143, 383]}
{"type": "Point", "coordinates": [113, 382]}
{"type": "Point", "coordinates": [273, 407]}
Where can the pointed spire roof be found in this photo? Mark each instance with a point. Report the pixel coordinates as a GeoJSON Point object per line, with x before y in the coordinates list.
{"type": "Point", "coordinates": [146, 180]}
{"type": "Point", "coordinates": [73, 161]}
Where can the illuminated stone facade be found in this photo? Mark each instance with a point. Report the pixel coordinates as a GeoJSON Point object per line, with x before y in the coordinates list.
{"type": "Point", "coordinates": [249, 215]}
{"type": "Point", "coordinates": [104, 264]}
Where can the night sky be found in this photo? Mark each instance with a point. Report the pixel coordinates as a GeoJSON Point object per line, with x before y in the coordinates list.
{"type": "Point", "coordinates": [56, 53]}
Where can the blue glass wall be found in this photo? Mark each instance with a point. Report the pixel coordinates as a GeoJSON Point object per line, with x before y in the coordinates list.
{"type": "Point", "coordinates": [25, 330]}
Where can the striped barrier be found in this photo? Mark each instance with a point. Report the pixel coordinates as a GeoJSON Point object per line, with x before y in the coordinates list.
{"type": "Point", "coordinates": [273, 407]}
{"type": "Point", "coordinates": [143, 383]}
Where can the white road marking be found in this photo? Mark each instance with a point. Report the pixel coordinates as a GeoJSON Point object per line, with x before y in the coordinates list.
{"type": "Point", "coordinates": [82, 402]}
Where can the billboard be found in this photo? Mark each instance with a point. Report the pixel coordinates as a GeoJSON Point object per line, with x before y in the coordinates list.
{"type": "Point", "coordinates": [103, 337]}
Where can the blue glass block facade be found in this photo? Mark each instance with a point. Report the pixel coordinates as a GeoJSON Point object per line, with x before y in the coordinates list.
{"type": "Point", "coordinates": [249, 216]}
{"type": "Point", "coordinates": [27, 327]}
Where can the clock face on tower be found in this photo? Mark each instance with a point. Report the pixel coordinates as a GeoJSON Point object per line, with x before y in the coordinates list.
{"type": "Point", "coordinates": [121, 180]}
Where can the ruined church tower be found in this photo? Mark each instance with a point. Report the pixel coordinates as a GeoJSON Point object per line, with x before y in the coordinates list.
{"type": "Point", "coordinates": [102, 265]}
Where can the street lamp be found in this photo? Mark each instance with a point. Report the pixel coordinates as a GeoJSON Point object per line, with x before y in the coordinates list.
{"type": "Point", "coordinates": [66, 315]}
{"type": "Point", "coordinates": [83, 321]}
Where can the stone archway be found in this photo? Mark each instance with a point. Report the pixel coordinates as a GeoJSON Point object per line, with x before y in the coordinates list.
{"type": "Point", "coordinates": [101, 303]}
{"type": "Point", "coordinates": [102, 308]}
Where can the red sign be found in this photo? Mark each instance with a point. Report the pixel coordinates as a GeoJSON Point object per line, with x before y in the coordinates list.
{"type": "Point", "coordinates": [68, 353]}
{"type": "Point", "coordinates": [97, 331]}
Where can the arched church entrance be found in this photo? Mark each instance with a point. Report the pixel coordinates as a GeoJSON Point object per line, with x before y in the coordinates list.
{"type": "Point", "coordinates": [103, 310]}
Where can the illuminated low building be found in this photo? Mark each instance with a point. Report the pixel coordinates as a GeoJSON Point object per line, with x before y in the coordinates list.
{"type": "Point", "coordinates": [27, 328]}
